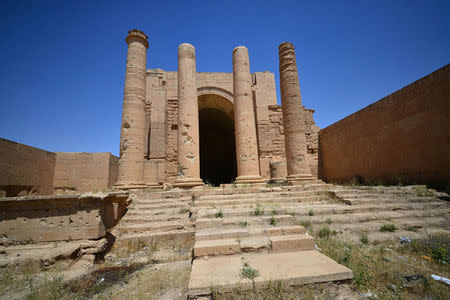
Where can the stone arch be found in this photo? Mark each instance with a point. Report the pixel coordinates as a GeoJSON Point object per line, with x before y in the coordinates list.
{"type": "Point", "coordinates": [217, 140]}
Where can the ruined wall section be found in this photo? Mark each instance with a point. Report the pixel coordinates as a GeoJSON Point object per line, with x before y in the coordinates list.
{"type": "Point", "coordinates": [402, 138]}
{"type": "Point", "coordinates": [156, 105]}
{"type": "Point", "coordinates": [25, 170]}
{"type": "Point", "coordinates": [162, 93]}
{"type": "Point", "coordinates": [264, 97]}
{"type": "Point", "coordinates": [85, 172]}
{"type": "Point", "coordinates": [312, 141]}
{"type": "Point", "coordinates": [272, 147]}
{"type": "Point", "coordinates": [171, 127]}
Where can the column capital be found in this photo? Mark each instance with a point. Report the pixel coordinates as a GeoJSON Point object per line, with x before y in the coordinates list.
{"type": "Point", "coordinates": [285, 46]}
{"type": "Point", "coordinates": [137, 35]}
{"type": "Point", "coordinates": [186, 50]}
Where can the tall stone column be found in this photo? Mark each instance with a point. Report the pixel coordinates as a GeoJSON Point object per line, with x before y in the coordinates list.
{"type": "Point", "coordinates": [293, 117]}
{"type": "Point", "coordinates": [244, 120]}
{"type": "Point", "coordinates": [188, 131]}
{"type": "Point", "coordinates": [132, 138]}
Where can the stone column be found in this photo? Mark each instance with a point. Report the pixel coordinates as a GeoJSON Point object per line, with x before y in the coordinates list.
{"type": "Point", "coordinates": [132, 138]}
{"type": "Point", "coordinates": [244, 120]}
{"type": "Point", "coordinates": [188, 132]}
{"type": "Point", "coordinates": [293, 117]}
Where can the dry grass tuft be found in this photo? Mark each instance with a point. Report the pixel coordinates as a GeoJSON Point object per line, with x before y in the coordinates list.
{"type": "Point", "coordinates": [382, 269]}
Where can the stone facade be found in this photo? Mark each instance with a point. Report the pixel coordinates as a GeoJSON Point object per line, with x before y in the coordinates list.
{"type": "Point", "coordinates": [215, 92]}
{"type": "Point", "coordinates": [217, 122]}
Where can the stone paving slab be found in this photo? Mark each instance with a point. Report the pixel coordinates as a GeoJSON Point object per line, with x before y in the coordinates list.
{"type": "Point", "coordinates": [292, 268]}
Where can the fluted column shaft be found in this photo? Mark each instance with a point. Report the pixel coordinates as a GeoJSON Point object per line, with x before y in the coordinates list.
{"type": "Point", "coordinates": [244, 119]}
{"type": "Point", "coordinates": [132, 138]}
{"type": "Point", "coordinates": [293, 117]}
{"type": "Point", "coordinates": [188, 132]}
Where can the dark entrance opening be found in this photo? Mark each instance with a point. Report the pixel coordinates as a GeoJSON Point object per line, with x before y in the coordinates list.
{"type": "Point", "coordinates": [217, 147]}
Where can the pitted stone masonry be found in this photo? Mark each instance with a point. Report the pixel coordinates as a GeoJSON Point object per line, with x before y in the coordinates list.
{"type": "Point", "coordinates": [215, 128]}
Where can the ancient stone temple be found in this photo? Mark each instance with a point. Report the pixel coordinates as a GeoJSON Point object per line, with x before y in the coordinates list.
{"type": "Point", "coordinates": [188, 128]}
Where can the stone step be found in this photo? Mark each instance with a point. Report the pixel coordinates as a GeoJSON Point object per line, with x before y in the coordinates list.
{"type": "Point", "coordinates": [269, 209]}
{"type": "Point", "coordinates": [145, 199]}
{"type": "Point", "coordinates": [222, 273]}
{"type": "Point", "coordinates": [169, 238]}
{"type": "Point", "coordinates": [152, 219]}
{"type": "Point", "coordinates": [162, 211]}
{"type": "Point", "coordinates": [409, 199]}
{"type": "Point", "coordinates": [255, 201]}
{"type": "Point", "coordinates": [355, 218]}
{"type": "Point", "coordinates": [151, 213]}
{"type": "Point", "coordinates": [294, 242]}
{"type": "Point", "coordinates": [268, 195]}
{"type": "Point", "coordinates": [328, 209]}
{"type": "Point", "coordinates": [157, 226]}
{"type": "Point", "coordinates": [160, 205]}
{"type": "Point", "coordinates": [291, 242]}
{"type": "Point", "coordinates": [177, 193]}
{"type": "Point", "coordinates": [401, 223]}
{"type": "Point", "coordinates": [236, 221]}
{"type": "Point", "coordinates": [252, 231]}
{"type": "Point", "coordinates": [303, 209]}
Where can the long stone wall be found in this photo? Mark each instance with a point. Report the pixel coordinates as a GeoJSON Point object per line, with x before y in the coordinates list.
{"type": "Point", "coordinates": [84, 172]}
{"type": "Point", "coordinates": [25, 170]}
{"type": "Point", "coordinates": [57, 218]}
{"type": "Point", "coordinates": [403, 137]}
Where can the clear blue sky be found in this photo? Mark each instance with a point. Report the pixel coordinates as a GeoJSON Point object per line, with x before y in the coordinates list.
{"type": "Point", "coordinates": [63, 62]}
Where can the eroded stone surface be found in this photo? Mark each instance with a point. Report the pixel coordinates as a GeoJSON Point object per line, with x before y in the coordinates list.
{"type": "Point", "coordinates": [55, 218]}
{"type": "Point", "coordinates": [293, 268]}
{"type": "Point", "coordinates": [293, 116]}
{"type": "Point", "coordinates": [132, 138]}
{"type": "Point", "coordinates": [244, 119]}
{"type": "Point", "coordinates": [188, 134]}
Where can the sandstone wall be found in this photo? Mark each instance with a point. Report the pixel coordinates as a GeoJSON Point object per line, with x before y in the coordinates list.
{"type": "Point", "coordinates": [25, 169]}
{"type": "Point", "coordinates": [57, 218]}
{"type": "Point", "coordinates": [84, 172]}
{"type": "Point", "coordinates": [402, 137]}
{"type": "Point", "coordinates": [162, 108]}
{"type": "Point", "coordinates": [272, 145]}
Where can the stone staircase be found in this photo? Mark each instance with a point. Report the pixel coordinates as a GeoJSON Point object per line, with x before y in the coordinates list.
{"type": "Point", "coordinates": [268, 229]}
{"type": "Point", "coordinates": [257, 231]}
{"type": "Point", "coordinates": [154, 217]}
{"type": "Point", "coordinates": [416, 211]}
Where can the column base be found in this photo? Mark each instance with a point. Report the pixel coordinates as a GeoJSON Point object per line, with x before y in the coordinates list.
{"type": "Point", "coordinates": [129, 185]}
{"type": "Point", "coordinates": [296, 179]}
{"type": "Point", "coordinates": [277, 180]}
{"type": "Point", "coordinates": [153, 184]}
{"type": "Point", "coordinates": [188, 182]}
{"type": "Point", "coordinates": [249, 179]}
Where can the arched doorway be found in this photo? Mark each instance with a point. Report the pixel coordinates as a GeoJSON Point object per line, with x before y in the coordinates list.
{"type": "Point", "coordinates": [217, 141]}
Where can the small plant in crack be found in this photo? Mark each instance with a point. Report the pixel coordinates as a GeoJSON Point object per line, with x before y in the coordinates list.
{"type": "Point", "coordinates": [248, 272]}
{"type": "Point", "coordinates": [273, 221]}
{"type": "Point", "coordinates": [258, 211]}
{"type": "Point", "coordinates": [219, 214]}
{"type": "Point", "coordinates": [244, 223]}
